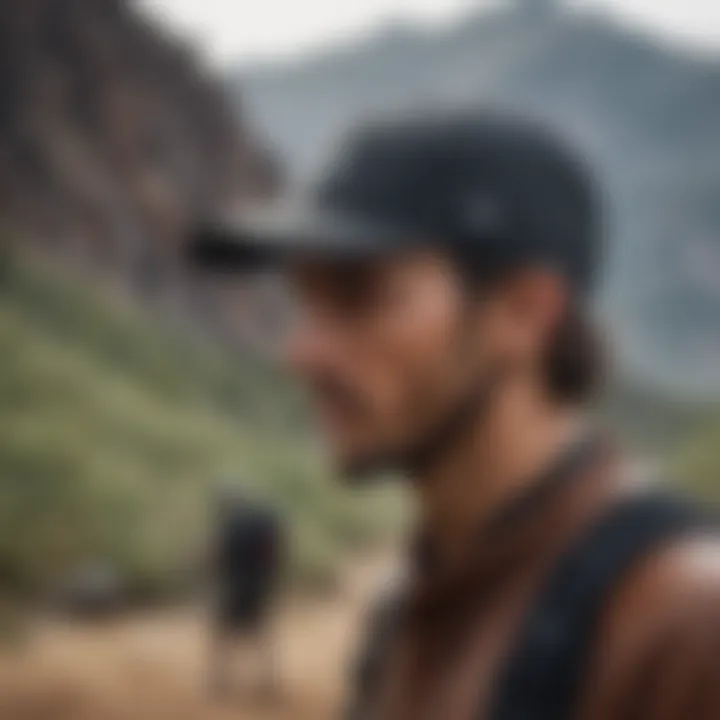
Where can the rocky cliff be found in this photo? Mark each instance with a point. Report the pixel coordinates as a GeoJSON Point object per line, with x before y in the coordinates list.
{"type": "Point", "coordinates": [111, 139]}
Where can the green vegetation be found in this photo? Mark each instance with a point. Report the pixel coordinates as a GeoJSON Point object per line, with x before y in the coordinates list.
{"type": "Point", "coordinates": [114, 429]}
{"type": "Point", "coordinates": [698, 461]}
{"type": "Point", "coordinates": [682, 436]}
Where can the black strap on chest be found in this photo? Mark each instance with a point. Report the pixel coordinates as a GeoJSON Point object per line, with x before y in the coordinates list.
{"type": "Point", "coordinates": [547, 665]}
{"type": "Point", "coordinates": [370, 665]}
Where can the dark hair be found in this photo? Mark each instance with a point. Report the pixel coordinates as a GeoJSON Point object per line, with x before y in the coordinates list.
{"type": "Point", "coordinates": [575, 361]}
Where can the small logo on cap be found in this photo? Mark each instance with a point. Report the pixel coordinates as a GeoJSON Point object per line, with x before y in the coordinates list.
{"type": "Point", "coordinates": [482, 212]}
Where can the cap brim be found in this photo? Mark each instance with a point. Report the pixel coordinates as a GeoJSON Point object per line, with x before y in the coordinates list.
{"type": "Point", "coordinates": [269, 236]}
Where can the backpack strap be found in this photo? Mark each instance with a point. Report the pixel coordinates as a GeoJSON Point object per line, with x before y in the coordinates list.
{"type": "Point", "coordinates": [542, 678]}
{"type": "Point", "coordinates": [370, 665]}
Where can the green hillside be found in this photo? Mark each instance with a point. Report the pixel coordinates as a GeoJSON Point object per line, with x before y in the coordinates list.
{"type": "Point", "coordinates": [698, 460]}
{"type": "Point", "coordinates": [113, 431]}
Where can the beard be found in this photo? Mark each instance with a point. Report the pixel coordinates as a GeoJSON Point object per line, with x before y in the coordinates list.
{"type": "Point", "coordinates": [435, 441]}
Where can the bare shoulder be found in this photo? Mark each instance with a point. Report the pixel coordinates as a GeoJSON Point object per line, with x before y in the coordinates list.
{"type": "Point", "coordinates": [667, 595]}
{"type": "Point", "coordinates": [680, 577]}
{"type": "Point", "coordinates": [659, 639]}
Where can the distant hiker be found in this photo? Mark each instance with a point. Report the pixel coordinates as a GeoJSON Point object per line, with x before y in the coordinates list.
{"type": "Point", "coordinates": [248, 562]}
{"type": "Point", "coordinates": [443, 269]}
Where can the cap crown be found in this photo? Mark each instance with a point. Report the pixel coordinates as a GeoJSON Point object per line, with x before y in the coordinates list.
{"type": "Point", "coordinates": [499, 187]}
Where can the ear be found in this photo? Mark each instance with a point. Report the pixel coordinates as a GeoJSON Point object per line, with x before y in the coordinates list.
{"type": "Point", "coordinates": [535, 299]}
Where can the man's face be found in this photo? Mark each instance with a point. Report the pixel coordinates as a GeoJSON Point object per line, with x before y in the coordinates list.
{"type": "Point", "coordinates": [392, 351]}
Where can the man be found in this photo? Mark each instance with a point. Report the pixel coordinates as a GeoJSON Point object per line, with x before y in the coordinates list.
{"type": "Point", "coordinates": [247, 565]}
{"type": "Point", "coordinates": [442, 269]}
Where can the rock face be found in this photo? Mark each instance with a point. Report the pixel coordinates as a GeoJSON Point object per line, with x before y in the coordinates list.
{"type": "Point", "coordinates": [111, 139]}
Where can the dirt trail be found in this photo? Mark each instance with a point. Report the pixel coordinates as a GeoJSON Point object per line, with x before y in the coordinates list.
{"type": "Point", "coordinates": [152, 667]}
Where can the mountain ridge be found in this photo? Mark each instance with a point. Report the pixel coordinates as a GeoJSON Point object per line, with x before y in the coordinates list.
{"type": "Point", "coordinates": [646, 115]}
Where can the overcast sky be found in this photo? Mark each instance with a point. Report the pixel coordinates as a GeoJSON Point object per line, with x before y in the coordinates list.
{"type": "Point", "coordinates": [237, 30]}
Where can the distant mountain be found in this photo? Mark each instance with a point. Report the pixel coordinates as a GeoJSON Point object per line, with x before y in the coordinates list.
{"type": "Point", "coordinates": [648, 116]}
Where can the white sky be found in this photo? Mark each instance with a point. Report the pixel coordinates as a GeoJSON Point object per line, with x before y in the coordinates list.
{"type": "Point", "coordinates": [237, 30]}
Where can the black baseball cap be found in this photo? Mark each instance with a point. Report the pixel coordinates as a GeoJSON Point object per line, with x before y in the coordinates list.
{"type": "Point", "coordinates": [496, 189]}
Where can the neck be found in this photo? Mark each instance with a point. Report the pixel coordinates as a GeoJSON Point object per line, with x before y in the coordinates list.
{"type": "Point", "coordinates": [499, 457]}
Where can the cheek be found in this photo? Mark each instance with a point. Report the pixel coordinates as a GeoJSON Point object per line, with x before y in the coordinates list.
{"type": "Point", "coordinates": [405, 352]}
